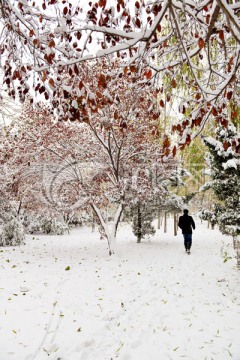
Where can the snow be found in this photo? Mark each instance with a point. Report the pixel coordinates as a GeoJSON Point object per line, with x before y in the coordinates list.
{"type": "Point", "coordinates": [63, 297]}
{"type": "Point", "coordinates": [217, 144]}
{"type": "Point", "coordinates": [232, 163]}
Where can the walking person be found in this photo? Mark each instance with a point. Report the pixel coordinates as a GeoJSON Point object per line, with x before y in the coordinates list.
{"type": "Point", "coordinates": [186, 223]}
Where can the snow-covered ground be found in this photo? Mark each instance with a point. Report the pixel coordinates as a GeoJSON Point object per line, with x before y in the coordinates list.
{"type": "Point", "coordinates": [63, 297]}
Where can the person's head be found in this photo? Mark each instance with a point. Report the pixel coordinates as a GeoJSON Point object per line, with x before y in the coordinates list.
{"type": "Point", "coordinates": [185, 211]}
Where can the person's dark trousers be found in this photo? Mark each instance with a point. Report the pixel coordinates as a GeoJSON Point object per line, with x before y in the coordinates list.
{"type": "Point", "coordinates": [187, 241]}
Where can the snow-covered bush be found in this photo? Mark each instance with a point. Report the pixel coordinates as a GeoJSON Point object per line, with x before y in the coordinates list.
{"type": "Point", "coordinates": [50, 225]}
{"type": "Point", "coordinates": [209, 216]}
{"type": "Point", "coordinates": [12, 233]}
{"type": "Point", "coordinates": [54, 226]}
{"type": "Point", "coordinates": [229, 222]}
{"type": "Point", "coordinates": [74, 220]}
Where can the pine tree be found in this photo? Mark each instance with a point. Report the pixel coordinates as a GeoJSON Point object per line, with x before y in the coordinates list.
{"type": "Point", "coordinates": [142, 216]}
{"type": "Point", "coordinates": [225, 172]}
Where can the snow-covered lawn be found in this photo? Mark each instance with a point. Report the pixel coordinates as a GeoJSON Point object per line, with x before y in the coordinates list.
{"type": "Point", "coordinates": [63, 297]}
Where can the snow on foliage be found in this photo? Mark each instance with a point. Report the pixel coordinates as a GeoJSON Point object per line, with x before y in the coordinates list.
{"type": "Point", "coordinates": [12, 233]}
{"type": "Point", "coordinates": [232, 163]}
{"type": "Point", "coordinates": [225, 173]}
{"type": "Point", "coordinates": [110, 160]}
{"type": "Point", "coordinates": [46, 225]}
{"type": "Point", "coordinates": [178, 47]}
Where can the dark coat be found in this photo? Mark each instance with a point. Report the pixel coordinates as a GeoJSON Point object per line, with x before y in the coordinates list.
{"type": "Point", "coordinates": [186, 223]}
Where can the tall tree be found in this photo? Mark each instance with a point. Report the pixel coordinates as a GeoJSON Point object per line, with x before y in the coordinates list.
{"type": "Point", "coordinates": [225, 173]}
{"type": "Point", "coordinates": [110, 158]}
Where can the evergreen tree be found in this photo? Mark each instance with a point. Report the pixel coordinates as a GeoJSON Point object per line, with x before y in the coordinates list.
{"type": "Point", "coordinates": [142, 216]}
{"type": "Point", "coordinates": [225, 172]}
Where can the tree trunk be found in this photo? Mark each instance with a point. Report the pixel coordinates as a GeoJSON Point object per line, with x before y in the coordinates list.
{"type": "Point", "coordinates": [165, 221]}
{"type": "Point", "coordinates": [159, 220]}
{"type": "Point", "coordinates": [109, 231]}
{"type": "Point", "coordinates": [234, 242]}
{"type": "Point", "coordinates": [93, 222]}
{"type": "Point", "coordinates": [175, 223]}
{"type": "Point", "coordinates": [19, 207]}
{"type": "Point", "coordinates": [139, 223]}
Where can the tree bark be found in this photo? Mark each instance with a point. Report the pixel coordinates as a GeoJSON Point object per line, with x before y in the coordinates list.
{"type": "Point", "coordinates": [159, 220]}
{"type": "Point", "coordinates": [165, 221]}
{"type": "Point", "coordinates": [175, 223]}
{"type": "Point", "coordinates": [109, 231]}
{"type": "Point", "coordinates": [93, 222]}
{"type": "Point", "coordinates": [139, 223]}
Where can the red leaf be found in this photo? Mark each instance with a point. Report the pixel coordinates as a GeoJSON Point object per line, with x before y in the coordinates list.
{"type": "Point", "coordinates": [162, 103]}
{"type": "Point", "coordinates": [76, 69]}
{"type": "Point", "coordinates": [102, 81]}
{"type": "Point", "coordinates": [44, 77]}
{"type": "Point", "coordinates": [80, 85]}
{"type": "Point", "coordinates": [225, 145]}
{"type": "Point", "coordinates": [179, 128]}
{"type": "Point", "coordinates": [166, 151]}
{"type": "Point", "coordinates": [166, 142]}
{"type": "Point", "coordinates": [138, 23]}
{"type": "Point", "coordinates": [16, 75]}
{"type": "Point", "coordinates": [137, 5]}
{"type": "Point", "coordinates": [188, 139]}
{"type": "Point", "coordinates": [102, 3]}
{"type": "Point", "coordinates": [214, 111]}
{"type": "Point", "coordinates": [201, 43]}
{"type": "Point", "coordinates": [224, 123]}
{"type": "Point", "coordinates": [42, 89]}
{"type": "Point", "coordinates": [173, 82]}
{"type": "Point", "coordinates": [174, 151]}
{"type": "Point", "coordinates": [155, 9]}
{"type": "Point", "coordinates": [65, 10]}
{"type": "Point", "coordinates": [148, 74]}
{"type": "Point", "coordinates": [51, 83]}
{"type": "Point", "coordinates": [133, 68]}
{"type": "Point", "coordinates": [230, 64]}
{"type": "Point", "coordinates": [51, 44]}
{"type": "Point", "coordinates": [221, 35]}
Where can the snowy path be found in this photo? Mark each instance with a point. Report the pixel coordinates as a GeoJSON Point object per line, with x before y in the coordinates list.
{"type": "Point", "coordinates": [151, 301]}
